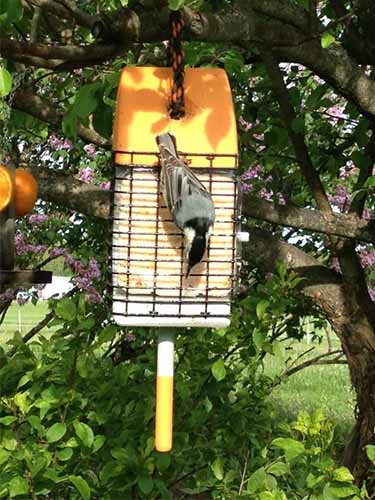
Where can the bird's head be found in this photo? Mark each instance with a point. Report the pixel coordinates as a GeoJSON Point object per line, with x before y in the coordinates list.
{"type": "Point", "coordinates": [196, 240]}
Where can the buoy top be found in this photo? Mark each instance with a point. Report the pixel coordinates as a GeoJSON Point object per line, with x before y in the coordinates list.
{"type": "Point", "coordinates": [6, 187]}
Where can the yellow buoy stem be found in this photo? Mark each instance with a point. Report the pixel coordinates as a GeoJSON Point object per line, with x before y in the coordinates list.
{"type": "Point", "coordinates": [164, 391]}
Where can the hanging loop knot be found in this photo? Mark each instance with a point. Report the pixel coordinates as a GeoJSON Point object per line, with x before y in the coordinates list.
{"type": "Point", "coordinates": [175, 59]}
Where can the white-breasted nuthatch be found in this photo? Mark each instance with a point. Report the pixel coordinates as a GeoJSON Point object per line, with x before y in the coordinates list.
{"type": "Point", "coordinates": [189, 202]}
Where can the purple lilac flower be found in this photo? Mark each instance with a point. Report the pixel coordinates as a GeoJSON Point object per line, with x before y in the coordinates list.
{"type": "Point", "coordinates": [252, 172]}
{"type": "Point", "coordinates": [280, 199]}
{"type": "Point", "coordinates": [93, 296]}
{"type": "Point", "coordinates": [130, 337]}
{"type": "Point", "coordinates": [86, 175]}
{"type": "Point", "coordinates": [54, 142]}
{"type": "Point", "coordinates": [57, 252]}
{"type": "Point", "coordinates": [371, 292]}
{"type": "Point", "coordinates": [335, 113]}
{"type": "Point", "coordinates": [21, 247]}
{"type": "Point", "coordinates": [268, 276]}
{"type": "Point", "coordinates": [8, 295]}
{"type": "Point", "coordinates": [336, 265]}
{"type": "Point", "coordinates": [38, 218]}
{"type": "Point", "coordinates": [367, 258]}
{"type": "Point", "coordinates": [367, 214]}
{"type": "Point", "coordinates": [67, 145]}
{"type": "Point", "coordinates": [265, 194]}
{"type": "Point", "coordinates": [93, 270]}
{"type": "Point", "coordinates": [22, 298]}
{"type": "Point", "coordinates": [348, 170]}
{"type": "Point", "coordinates": [105, 185]}
{"type": "Point", "coordinates": [246, 188]}
{"type": "Point", "coordinates": [341, 198]}
{"type": "Point", "coordinates": [245, 125]}
{"type": "Point", "coordinates": [90, 150]}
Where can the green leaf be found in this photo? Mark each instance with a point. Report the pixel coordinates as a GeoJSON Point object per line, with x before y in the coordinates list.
{"type": "Point", "coordinates": [7, 420]}
{"type": "Point", "coordinates": [18, 486]}
{"type": "Point", "coordinates": [370, 449]}
{"type": "Point", "coordinates": [106, 335]}
{"type": "Point", "coordinates": [84, 432]}
{"type": "Point", "coordinates": [175, 4]}
{"type": "Point", "coordinates": [4, 455]}
{"type": "Point", "coordinates": [343, 475]}
{"type": "Point", "coordinates": [257, 481]}
{"type": "Point", "coordinates": [327, 40]}
{"type": "Point", "coordinates": [5, 82]}
{"type": "Point", "coordinates": [65, 454]}
{"type": "Point", "coordinates": [86, 100]}
{"type": "Point", "coordinates": [291, 447]}
{"type": "Point", "coordinates": [10, 11]}
{"type": "Point", "coordinates": [259, 338]}
{"type": "Point", "coordinates": [146, 485]}
{"type": "Point", "coordinates": [82, 486]}
{"type": "Point", "coordinates": [56, 432]}
{"type": "Point", "coordinates": [218, 468]}
{"type": "Point", "coordinates": [261, 308]}
{"type": "Point", "coordinates": [278, 469]}
{"type": "Point", "coordinates": [218, 370]}
{"type": "Point", "coordinates": [98, 442]}
{"type": "Point", "coordinates": [66, 309]}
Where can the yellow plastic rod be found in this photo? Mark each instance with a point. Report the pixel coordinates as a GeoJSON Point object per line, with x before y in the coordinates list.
{"type": "Point", "coordinates": [164, 391]}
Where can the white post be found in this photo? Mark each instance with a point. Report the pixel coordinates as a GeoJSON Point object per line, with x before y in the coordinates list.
{"type": "Point", "coordinates": [164, 390]}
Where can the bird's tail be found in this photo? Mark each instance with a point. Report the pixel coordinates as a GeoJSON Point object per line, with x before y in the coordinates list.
{"type": "Point", "coordinates": [169, 142]}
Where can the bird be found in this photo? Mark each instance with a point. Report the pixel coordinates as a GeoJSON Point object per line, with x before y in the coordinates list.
{"type": "Point", "coordinates": [188, 201]}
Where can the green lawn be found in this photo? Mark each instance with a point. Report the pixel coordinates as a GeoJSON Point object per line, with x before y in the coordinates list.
{"type": "Point", "coordinates": [326, 386]}
{"type": "Point", "coordinates": [22, 319]}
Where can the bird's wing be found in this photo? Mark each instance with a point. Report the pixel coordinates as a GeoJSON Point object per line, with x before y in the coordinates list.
{"type": "Point", "coordinates": [178, 181]}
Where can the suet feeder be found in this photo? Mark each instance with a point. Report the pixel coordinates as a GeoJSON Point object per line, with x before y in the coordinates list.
{"type": "Point", "coordinates": [10, 277]}
{"type": "Point", "coordinates": [147, 255]}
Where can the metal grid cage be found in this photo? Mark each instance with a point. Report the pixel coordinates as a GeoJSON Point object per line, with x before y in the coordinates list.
{"type": "Point", "coordinates": [147, 253]}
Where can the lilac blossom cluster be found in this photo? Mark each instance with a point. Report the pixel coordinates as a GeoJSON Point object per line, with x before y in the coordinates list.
{"type": "Point", "coordinates": [58, 144]}
{"type": "Point", "coordinates": [36, 219]}
{"type": "Point", "coordinates": [86, 175]}
{"type": "Point", "coordinates": [348, 170]}
{"type": "Point", "coordinates": [335, 113]}
{"type": "Point", "coordinates": [90, 150]}
{"type": "Point", "coordinates": [21, 247]}
{"type": "Point", "coordinates": [7, 296]}
{"type": "Point", "coordinates": [255, 174]}
{"type": "Point", "coordinates": [341, 199]}
{"type": "Point", "coordinates": [85, 275]}
{"type": "Point", "coordinates": [367, 258]}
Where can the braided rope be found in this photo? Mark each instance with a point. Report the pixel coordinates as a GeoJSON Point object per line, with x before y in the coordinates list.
{"type": "Point", "coordinates": [175, 58]}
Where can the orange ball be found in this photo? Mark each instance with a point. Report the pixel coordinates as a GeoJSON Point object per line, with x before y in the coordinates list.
{"type": "Point", "coordinates": [26, 192]}
{"type": "Point", "coordinates": [6, 187]}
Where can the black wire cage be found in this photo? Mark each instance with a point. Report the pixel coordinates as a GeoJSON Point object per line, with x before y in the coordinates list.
{"type": "Point", "coordinates": [147, 253]}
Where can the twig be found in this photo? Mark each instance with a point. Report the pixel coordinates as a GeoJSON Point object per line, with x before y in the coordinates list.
{"type": "Point", "coordinates": [244, 473]}
{"type": "Point", "coordinates": [316, 361]}
{"type": "Point", "coordinates": [37, 328]}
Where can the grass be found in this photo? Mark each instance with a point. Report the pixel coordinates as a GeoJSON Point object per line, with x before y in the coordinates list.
{"type": "Point", "coordinates": [326, 386]}
{"type": "Point", "coordinates": [21, 319]}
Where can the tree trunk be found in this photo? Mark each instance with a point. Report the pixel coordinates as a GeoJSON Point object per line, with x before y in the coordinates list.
{"type": "Point", "coordinates": [361, 363]}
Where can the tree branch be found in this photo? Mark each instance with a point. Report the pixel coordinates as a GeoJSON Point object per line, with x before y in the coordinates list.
{"type": "Point", "coordinates": [28, 102]}
{"type": "Point", "coordinates": [289, 117]}
{"type": "Point", "coordinates": [346, 226]}
{"type": "Point", "coordinates": [317, 361]}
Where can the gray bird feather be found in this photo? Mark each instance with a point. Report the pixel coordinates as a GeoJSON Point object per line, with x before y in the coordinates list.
{"type": "Point", "coordinates": [184, 194]}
